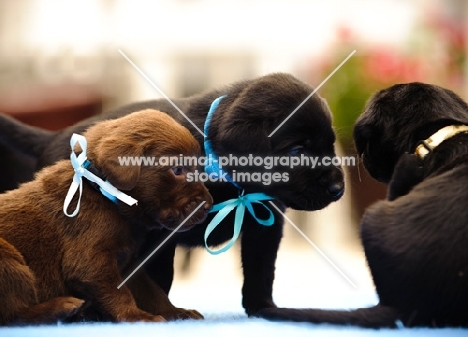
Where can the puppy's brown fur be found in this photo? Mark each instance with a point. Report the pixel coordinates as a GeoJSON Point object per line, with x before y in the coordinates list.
{"type": "Point", "coordinates": [50, 263]}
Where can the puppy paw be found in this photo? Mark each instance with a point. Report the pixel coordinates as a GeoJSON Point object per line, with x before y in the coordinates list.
{"type": "Point", "coordinates": [153, 318]}
{"type": "Point", "coordinates": [51, 311]}
{"type": "Point", "coordinates": [180, 313]}
{"type": "Point", "coordinates": [68, 305]}
{"type": "Point", "coordinates": [140, 316]}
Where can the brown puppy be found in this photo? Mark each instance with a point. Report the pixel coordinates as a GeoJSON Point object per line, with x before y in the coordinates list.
{"type": "Point", "coordinates": [50, 263]}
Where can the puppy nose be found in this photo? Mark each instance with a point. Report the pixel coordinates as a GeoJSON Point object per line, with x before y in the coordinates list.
{"type": "Point", "coordinates": [207, 206]}
{"type": "Point", "coordinates": [336, 189]}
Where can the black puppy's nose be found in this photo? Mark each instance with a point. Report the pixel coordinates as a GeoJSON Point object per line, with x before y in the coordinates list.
{"type": "Point", "coordinates": [336, 189]}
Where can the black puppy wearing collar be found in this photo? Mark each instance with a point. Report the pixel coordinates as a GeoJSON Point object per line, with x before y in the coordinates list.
{"type": "Point", "coordinates": [413, 137]}
{"type": "Point", "coordinates": [250, 111]}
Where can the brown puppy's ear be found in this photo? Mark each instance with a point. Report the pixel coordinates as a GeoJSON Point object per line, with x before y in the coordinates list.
{"type": "Point", "coordinates": [113, 159]}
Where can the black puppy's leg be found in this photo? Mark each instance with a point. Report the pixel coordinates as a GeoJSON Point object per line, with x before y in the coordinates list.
{"type": "Point", "coordinates": [407, 174]}
{"type": "Point", "coordinates": [259, 250]}
{"type": "Point", "coordinates": [374, 317]}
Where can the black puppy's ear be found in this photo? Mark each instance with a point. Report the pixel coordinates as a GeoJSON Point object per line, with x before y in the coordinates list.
{"type": "Point", "coordinates": [408, 173]}
{"type": "Point", "coordinates": [246, 138]}
{"type": "Point", "coordinates": [378, 158]}
{"type": "Point", "coordinates": [363, 136]}
{"type": "Point", "coordinates": [113, 161]}
{"type": "Point", "coordinates": [241, 129]}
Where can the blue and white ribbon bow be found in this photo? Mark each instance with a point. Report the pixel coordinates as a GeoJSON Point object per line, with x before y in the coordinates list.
{"type": "Point", "coordinates": [240, 203]}
{"type": "Point", "coordinates": [79, 164]}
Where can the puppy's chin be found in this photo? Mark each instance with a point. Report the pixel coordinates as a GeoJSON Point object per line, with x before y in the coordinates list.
{"type": "Point", "coordinates": [318, 202]}
{"type": "Point", "coordinates": [309, 189]}
{"type": "Point", "coordinates": [172, 223]}
{"type": "Point", "coordinates": [381, 170]}
{"type": "Point", "coordinates": [169, 225]}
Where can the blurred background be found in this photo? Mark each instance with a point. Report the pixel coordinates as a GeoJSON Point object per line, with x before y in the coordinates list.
{"type": "Point", "coordinates": [59, 63]}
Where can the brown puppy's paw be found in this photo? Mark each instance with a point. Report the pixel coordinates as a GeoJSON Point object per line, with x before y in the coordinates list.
{"type": "Point", "coordinates": [180, 313]}
{"type": "Point", "coordinates": [66, 306]}
{"type": "Point", "coordinates": [140, 316]}
{"type": "Point", "coordinates": [51, 311]}
{"type": "Point", "coordinates": [152, 318]}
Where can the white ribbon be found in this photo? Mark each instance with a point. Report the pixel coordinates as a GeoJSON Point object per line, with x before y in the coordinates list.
{"type": "Point", "coordinates": [77, 163]}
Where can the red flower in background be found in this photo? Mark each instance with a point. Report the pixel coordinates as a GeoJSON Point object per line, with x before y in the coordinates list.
{"type": "Point", "coordinates": [435, 53]}
{"type": "Point", "coordinates": [385, 66]}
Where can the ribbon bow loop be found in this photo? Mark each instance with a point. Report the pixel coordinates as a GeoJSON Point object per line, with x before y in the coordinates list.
{"type": "Point", "coordinates": [240, 203]}
{"type": "Point", "coordinates": [79, 164]}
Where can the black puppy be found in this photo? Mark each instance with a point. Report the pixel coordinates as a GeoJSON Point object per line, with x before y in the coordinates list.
{"type": "Point", "coordinates": [414, 138]}
{"type": "Point", "coordinates": [240, 126]}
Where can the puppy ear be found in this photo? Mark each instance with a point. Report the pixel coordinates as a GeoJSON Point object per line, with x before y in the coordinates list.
{"type": "Point", "coordinates": [116, 160]}
{"type": "Point", "coordinates": [245, 138]}
{"type": "Point", "coordinates": [240, 129]}
{"type": "Point", "coordinates": [362, 137]}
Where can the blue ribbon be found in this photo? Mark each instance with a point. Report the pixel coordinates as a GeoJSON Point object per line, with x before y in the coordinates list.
{"type": "Point", "coordinates": [212, 168]}
{"type": "Point", "coordinates": [239, 203]}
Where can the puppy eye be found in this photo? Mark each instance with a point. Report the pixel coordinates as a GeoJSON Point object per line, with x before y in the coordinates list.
{"type": "Point", "coordinates": [178, 170]}
{"type": "Point", "coordinates": [296, 150]}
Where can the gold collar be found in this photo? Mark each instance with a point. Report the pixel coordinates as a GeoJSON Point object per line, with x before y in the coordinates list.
{"type": "Point", "coordinates": [433, 141]}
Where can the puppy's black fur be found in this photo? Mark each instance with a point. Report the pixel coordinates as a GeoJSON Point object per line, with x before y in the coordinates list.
{"type": "Point", "coordinates": [416, 241]}
{"type": "Point", "coordinates": [251, 110]}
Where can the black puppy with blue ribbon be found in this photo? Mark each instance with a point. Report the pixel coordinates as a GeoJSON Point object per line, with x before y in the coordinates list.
{"type": "Point", "coordinates": [240, 203]}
